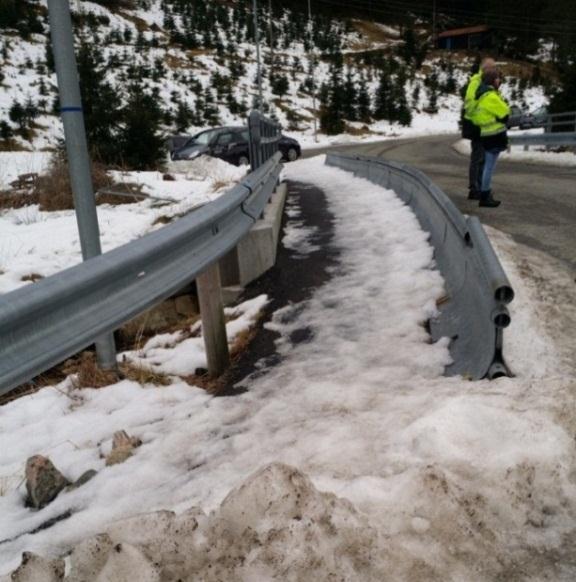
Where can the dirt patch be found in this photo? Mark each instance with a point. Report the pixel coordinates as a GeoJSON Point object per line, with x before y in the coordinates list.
{"type": "Point", "coordinates": [372, 34]}
{"type": "Point", "coordinates": [11, 145]}
{"type": "Point", "coordinates": [140, 24]}
{"type": "Point", "coordinates": [176, 62]}
{"type": "Point", "coordinates": [32, 277]}
{"type": "Point", "coordinates": [364, 130]}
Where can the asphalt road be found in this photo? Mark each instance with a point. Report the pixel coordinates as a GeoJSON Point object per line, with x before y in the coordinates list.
{"type": "Point", "coordinates": [538, 201]}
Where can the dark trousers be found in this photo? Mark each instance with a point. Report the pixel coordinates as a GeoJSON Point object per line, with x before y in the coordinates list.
{"type": "Point", "coordinates": [476, 165]}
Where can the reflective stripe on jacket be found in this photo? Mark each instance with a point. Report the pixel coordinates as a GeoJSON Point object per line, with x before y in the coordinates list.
{"type": "Point", "coordinates": [470, 96]}
{"type": "Point", "coordinates": [489, 112]}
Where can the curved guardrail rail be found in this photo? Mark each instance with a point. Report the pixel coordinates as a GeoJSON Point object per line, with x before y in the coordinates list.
{"type": "Point", "coordinates": [546, 139]}
{"type": "Point", "coordinates": [45, 323]}
{"type": "Point", "coordinates": [473, 314]}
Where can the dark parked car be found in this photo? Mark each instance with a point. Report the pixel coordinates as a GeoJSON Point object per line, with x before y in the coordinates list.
{"type": "Point", "coordinates": [537, 118]}
{"type": "Point", "coordinates": [517, 117]}
{"type": "Point", "coordinates": [229, 144]}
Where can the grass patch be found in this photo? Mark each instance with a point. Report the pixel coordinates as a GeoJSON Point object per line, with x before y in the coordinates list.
{"type": "Point", "coordinates": [143, 374]}
{"type": "Point", "coordinates": [219, 184]}
{"type": "Point", "coordinates": [17, 199]}
{"type": "Point", "coordinates": [53, 192]}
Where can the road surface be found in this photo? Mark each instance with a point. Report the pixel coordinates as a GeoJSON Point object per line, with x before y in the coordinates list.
{"type": "Point", "coordinates": [538, 201]}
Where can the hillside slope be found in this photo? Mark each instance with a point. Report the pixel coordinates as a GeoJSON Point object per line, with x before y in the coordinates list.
{"type": "Point", "coordinates": [197, 62]}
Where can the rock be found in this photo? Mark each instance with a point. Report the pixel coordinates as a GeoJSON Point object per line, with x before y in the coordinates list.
{"type": "Point", "coordinates": [43, 481]}
{"type": "Point", "coordinates": [123, 446]}
{"type": "Point", "coordinates": [83, 479]}
{"type": "Point", "coordinates": [37, 569]}
{"type": "Point", "coordinates": [186, 305]}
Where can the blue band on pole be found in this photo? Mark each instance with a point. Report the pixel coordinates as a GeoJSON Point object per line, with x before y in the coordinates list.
{"type": "Point", "coordinates": [71, 109]}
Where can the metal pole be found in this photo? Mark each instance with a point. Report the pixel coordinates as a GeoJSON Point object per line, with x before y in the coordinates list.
{"type": "Point", "coordinates": [313, 66]}
{"type": "Point", "coordinates": [77, 149]}
{"type": "Point", "coordinates": [258, 63]}
{"type": "Point", "coordinates": [434, 24]}
{"type": "Point", "coordinates": [270, 30]}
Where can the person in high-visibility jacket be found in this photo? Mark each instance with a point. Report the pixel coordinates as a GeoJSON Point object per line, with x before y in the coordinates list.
{"type": "Point", "coordinates": [471, 132]}
{"type": "Point", "coordinates": [490, 115]}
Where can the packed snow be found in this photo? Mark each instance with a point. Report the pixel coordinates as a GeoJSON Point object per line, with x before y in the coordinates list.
{"type": "Point", "coordinates": [387, 468]}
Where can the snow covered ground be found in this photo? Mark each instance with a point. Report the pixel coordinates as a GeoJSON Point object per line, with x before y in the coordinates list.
{"type": "Point", "coordinates": [34, 242]}
{"type": "Point", "coordinates": [14, 164]}
{"type": "Point", "coordinates": [536, 155]}
{"type": "Point", "coordinates": [445, 479]}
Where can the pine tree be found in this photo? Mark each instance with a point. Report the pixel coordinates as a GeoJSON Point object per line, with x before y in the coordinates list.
{"type": "Point", "coordinates": [383, 96]}
{"type": "Point", "coordinates": [350, 98]}
{"type": "Point", "coordinates": [183, 118]}
{"type": "Point", "coordinates": [432, 85]}
{"type": "Point", "coordinates": [279, 84]}
{"type": "Point", "coordinates": [364, 105]}
{"type": "Point", "coordinates": [140, 147]}
{"type": "Point", "coordinates": [6, 132]}
{"type": "Point", "coordinates": [565, 97]}
{"type": "Point", "coordinates": [332, 105]}
{"type": "Point", "coordinates": [99, 99]}
{"type": "Point", "coordinates": [211, 113]}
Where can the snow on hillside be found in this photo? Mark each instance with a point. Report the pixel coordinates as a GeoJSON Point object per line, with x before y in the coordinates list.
{"type": "Point", "coordinates": [411, 475]}
{"type": "Point", "coordinates": [149, 45]}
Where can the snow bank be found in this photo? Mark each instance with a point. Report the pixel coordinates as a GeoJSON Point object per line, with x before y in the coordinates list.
{"type": "Point", "coordinates": [444, 479]}
{"type": "Point", "coordinates": [517, 154]}
{"type": "Point", "coordinates": [208, 168]}
{"type": "Point", "coordinates": [274, 526]}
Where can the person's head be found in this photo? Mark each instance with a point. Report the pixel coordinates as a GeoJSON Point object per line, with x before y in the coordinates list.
{"type": "Point", "coordinates": [492, 77]}
{"type": "Point", "coordinates": [488, 64]}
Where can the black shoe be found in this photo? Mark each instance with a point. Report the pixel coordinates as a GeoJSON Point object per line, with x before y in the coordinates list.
{"type": "Point", "coordinates": [473, 195]}
{"type": "Point", "coordinates": [487, 201]}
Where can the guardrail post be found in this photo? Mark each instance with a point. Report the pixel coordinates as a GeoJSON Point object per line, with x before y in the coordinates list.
{"type": "Point", "coordinates": [77, 149]}
{"type": "Point", "coordinates": [213, 323]}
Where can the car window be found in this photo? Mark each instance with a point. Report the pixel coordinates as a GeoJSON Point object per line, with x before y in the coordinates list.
{"type": "Point", "coordinates": [245, 135]}
{"type": "Point", "coordinates": [224, 138]}
{"type": "Point", "coordinates": [203, 138]}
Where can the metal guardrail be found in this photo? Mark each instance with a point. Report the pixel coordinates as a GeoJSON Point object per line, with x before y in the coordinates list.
{"type": "Point", "coordinates": [473, 314]}
{"type": "Point", "coordinates": [265, 136]}
{"type": "Point", "coordinates": [545, 139]}
{"type": "Point", "coordinates": [564, 122]}
{"type": "Point", "coordinates": [43, 324]}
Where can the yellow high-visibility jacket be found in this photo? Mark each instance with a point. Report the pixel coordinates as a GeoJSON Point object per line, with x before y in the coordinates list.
{"type": "Point", "coordinates": [470, 96]}
{"type": "Point", "coordinates": [490, 112]}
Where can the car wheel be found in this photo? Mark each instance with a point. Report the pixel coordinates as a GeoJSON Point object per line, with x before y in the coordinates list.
{"type": "Point", "coordinates": [243, 161]}
{"type": "Point", "coordinates": [292, 154]}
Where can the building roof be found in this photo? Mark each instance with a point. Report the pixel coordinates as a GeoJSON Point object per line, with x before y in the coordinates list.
{"type": "Point", "coordinates": [464, 31]}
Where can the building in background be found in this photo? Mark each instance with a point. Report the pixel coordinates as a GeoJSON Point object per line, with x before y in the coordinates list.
{"type": "Point", "coordinates": [471, 38]}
